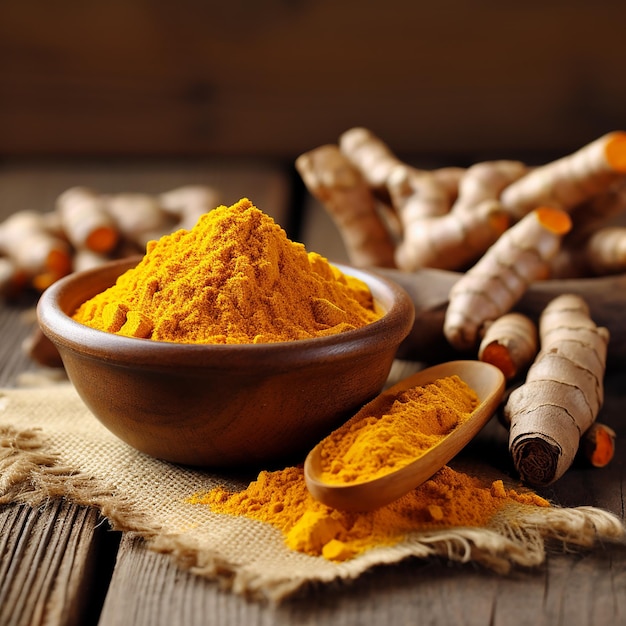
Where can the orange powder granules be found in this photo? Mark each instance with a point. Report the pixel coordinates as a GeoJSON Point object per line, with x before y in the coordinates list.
{"type": "Point", "coordinates": [234, 278]}
{"type": "Point", "coordinates": [449, 499]}
{"type": "Point", "coordinates": [415, 420]}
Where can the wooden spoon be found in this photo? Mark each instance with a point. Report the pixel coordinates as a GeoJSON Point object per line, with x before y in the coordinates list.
{"type": "Point", "coordinates": [485, 379]}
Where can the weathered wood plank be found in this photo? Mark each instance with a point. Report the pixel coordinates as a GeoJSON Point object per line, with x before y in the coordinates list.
{"type": "Point", "coordinates": [52, 570]}
{"type": "Point", "coordinates": [584, 588]}
{"type": "Point", "coordinates": [15, 326]}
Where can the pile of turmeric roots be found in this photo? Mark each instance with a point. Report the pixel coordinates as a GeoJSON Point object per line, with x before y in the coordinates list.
{"type": "Point", "coordinates": [87, 228]}
{"type": "Point", "coordinates": [503, 225]}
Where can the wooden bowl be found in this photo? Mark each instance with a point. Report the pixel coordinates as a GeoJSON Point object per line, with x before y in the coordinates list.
{"type": "Point", "coordinates": [222, 405]}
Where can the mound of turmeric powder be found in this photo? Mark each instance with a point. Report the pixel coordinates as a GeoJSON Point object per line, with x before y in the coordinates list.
{"type": "Point", "coordinates": [235, 277]}
{"type": "Point", "coordinates": [449, 499]}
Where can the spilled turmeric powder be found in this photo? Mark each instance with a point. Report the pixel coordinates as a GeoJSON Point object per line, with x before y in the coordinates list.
{"type": "Point", "coordinates": [235, 277]}
{"type": "Point", "coordinates": [415, 421]}
{"type": "Point", "coordinates": [280, 498]}
{"type": "Point", "coordinates": [373, 446]}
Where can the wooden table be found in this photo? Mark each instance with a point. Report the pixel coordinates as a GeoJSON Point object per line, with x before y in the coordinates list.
{"type": "Point", "coordinates": [61, 564]}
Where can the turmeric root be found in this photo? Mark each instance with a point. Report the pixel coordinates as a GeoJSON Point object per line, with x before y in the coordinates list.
{"type": "Point", "coordinates": [187, 203]}
{"type": "Point", "coordinates": [510, 343]}
{"type": "Point", "coordinates": [593, 214]}
{"type": "Point", "coordinates": [88, 228]}
{"type": "Point", "coordinates": [605, 251]}
{"type": "Point", "coordinates": [598, 444]}
{"type": "Point", "coordinates": [409, 190]}
{"type": "Point", "coordinates": [589, 183]}
{"type": "Point", "coordinates": [473, 222]}
{"type": "Point", "coordinates": [486, 181]}
{"type": "Point", "coordinates": [451, 241]}
{"type": "Point", "coordinates": [371, 171]}
{"type": "Point", "coordinates": [416, 194]}
{"type": "Point", "coordinates": [562, 394]}
{"type": "Point", "coordinates": [498, 280]}
{"type": "Point", "coordinates": [11, 278]}
{"type": "Point", "coordinates": [85, 220]}
{"type": "Point", "coordinates": [138, 216]}
{"type": "Point", "coordinates": [570, 180]}
{"type": "Point", "coordinates": [38, 256]}
{"type": "Point", "coordinates": [332, 178]}
{"type": "Point", "coordinates": [588, 250]}
{"type": "Point", "coordinates": [370, 155]}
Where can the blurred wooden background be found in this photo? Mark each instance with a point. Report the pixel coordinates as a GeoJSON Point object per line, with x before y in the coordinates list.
{"type": "Point", "coordinates": [274, 78]}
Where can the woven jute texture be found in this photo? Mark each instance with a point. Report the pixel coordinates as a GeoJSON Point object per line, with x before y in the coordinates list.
{"type": "Point", "coordinates": [51, 446]}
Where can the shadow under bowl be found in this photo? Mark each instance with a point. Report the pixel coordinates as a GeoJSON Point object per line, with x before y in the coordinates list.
{"type": "Point", "coordinates": [222, 405]}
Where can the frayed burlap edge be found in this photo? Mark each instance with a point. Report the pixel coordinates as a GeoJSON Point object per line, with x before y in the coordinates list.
{"type": "Point", "coordinates": [517, 537]}
{"type": "Point", "coordinates": [31, 474]}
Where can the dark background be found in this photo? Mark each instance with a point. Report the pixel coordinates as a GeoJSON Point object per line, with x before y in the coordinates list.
{"type": "Point", "coordinates": [272, 79]}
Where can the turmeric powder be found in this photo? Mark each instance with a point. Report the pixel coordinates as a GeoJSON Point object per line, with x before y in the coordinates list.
{"type": "Point", "coordinates": [235, 277]}
{"type": "Point", "coordinates": [417, 419]}
{"type": "Point", "coordinates": [448, 499]}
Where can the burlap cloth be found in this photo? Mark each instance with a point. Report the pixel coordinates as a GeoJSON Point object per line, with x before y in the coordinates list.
{"type": "Point", "coordinates": [51, 446]}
